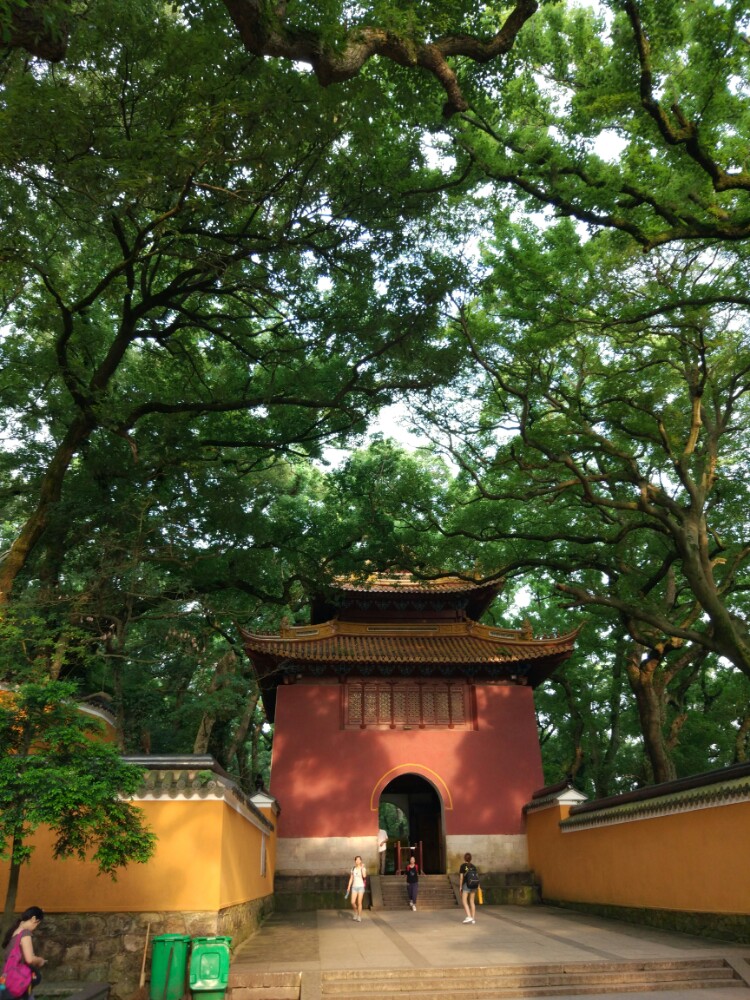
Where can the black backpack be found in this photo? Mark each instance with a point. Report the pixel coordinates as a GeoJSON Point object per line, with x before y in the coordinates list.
{"type": "Point", "coordinates": [471, 878]}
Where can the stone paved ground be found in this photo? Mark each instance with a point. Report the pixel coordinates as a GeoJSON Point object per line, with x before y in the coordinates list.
{"type": "Point", "coordinates": [503, 935]}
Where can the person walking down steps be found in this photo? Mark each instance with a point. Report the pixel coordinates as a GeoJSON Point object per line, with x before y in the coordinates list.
{"type": "Point", "coordinates": [412, 881]}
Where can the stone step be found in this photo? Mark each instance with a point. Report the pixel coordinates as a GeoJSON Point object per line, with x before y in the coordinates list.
{"type": "Point", "coordinates": [488, 878]}
{"type": "Point", "coordinates": [540, 968]}
{"type": "Point", "coordinates": [499, 889]}
{"type": "Point", "coordinates": [443, 886]}
{"type": "Point", "coordinates": [423, 906]}
{"type": "Point", "coordinates": [401, 895]}
{"type": "Point", "coordinates": [427, 905]}
{"type": "Point", "coordinates": [510, 992]}
{"type": "Point", "coordinates": [520, 981]}
{"type": "Point", "coordinates": [484, 983]}
{"type": "Point", "coordinates": [435, 893]}
{"type": "Point", "coordinates": [426, 892]}
{"type": "Point", "coordinates": [258, 985]}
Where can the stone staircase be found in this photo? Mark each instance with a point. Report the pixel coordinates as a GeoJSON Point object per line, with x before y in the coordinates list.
{"type": "Point", "coordinates": [435, 893]}
{"type": "Point", "coordinates": [492, 983]}
{"type": "Point", "coordinates": [440, 892]}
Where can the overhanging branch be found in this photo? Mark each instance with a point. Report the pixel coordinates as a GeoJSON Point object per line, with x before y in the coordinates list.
{"type": "Point", "coordinates": [265, 31]}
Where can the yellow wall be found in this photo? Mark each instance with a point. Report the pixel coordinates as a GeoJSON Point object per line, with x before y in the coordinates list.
{"type": "Point", "coordinates": [240, 877]}
{"type": "Point", "coordinates": [690, 861]}
{"type": "Point", "coordinates": [207, 857]}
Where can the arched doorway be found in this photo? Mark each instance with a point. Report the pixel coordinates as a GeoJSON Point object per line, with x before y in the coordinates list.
{"type": "Point", "coordinates": [417, 814]}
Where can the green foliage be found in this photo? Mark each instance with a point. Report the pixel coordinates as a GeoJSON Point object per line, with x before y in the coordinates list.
{"type": "Point", "coordinates": [55, 772]}
{"type": "Point", "coordinates": [393, 820]}
{"type": "Point", "coordinates": [599, 433]}
{"type": "Point", "coordinates": [211, 269]}
{"type": "Point", "coordinates": [633, 120]}
{"type": "Point", "coordinates": [207, 275]}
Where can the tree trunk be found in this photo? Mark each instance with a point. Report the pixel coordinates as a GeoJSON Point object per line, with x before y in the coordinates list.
{"type": "Point", "coordinates": [11, 893]}
{"type": "Point", "coordinates": [49, 494]}
{"type": "Point", "coordinates": [39, 29]}
{"type": "Point", "coordinates": [116, 668]}
{"type": "Point", "coordinates": [741, 741]}
{"type": "Point", "coordinates": [116, 657]}
{"type": "Point", "coordinates": [200, 746]}
{"type": "Point", "coordinates": [242, 729]}
{"type": "Point", "coordinates": [58, 656]}
{"type": "Point", "coordinates": [603, 784]}
{"type": "Point", "coordinates": [225, 665]}
{"type": "Point", "coordinates": [577, 727]}
{"type": "Point", "coordinates": [730, 637]}
{"type": "Point", "coordinates": [649, 697]}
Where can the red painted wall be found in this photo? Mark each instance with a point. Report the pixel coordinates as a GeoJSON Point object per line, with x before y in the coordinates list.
{"type": "Point", "coordinates": [327, 779]}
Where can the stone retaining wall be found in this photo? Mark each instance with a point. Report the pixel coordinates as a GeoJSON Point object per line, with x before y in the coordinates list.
{"type": "Point", "coordinates": [722, 926]}
{"type": "Point", "coordinates": [109, 946]}
{"type": "Point", "coordinates": [314, 892]}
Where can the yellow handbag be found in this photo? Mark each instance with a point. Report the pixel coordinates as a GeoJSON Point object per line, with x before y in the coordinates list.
{"type": "Point", "coordinates": [480, 896]}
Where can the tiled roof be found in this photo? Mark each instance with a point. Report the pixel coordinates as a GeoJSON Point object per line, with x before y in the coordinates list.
{"type": "Point", "coordinates": [192, 777]}
{"type": "Point", "coordinates": [420, 649]}
{"type": "Point", "coordinates": [404, 583]}
{"type": "Point", "coordinates": [551, 791]}
{"type": "Point", "coordinates": [727, 784]}
{"type": "Point", "coordinates": [456, 643]}
{"type": "Point", "coordinates": [726, 792]}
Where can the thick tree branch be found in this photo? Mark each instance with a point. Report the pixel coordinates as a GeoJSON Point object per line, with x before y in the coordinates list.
{"type": "Point", "coordinates": [38, 26]}
{"type": "Point", "coordinates": [266, 31]}
{"type": "Point", "coordinates": [685, 133]}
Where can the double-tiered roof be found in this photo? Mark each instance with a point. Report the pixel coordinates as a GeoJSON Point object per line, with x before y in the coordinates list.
{"type": "Point", "coordinates": [399, 626]}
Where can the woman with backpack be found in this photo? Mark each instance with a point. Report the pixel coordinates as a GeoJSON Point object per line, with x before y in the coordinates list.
{"type": "Point", "coordinates": [21, 965]}
{"type": "Point", "coordinates": [468, 883]}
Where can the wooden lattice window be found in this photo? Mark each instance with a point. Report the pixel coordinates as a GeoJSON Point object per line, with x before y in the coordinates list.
{"type": "Point", "coordinates": [407, 705]}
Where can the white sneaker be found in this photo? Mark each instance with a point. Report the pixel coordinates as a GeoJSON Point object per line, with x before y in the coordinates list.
{"type": "Point", "coordinates": [468, 920]}
{"type": "Point", "coordinates": [473, 921]}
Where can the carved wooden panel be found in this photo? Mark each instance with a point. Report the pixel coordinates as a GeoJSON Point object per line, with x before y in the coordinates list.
{"type": "Point", "coordinates": [385, 704]}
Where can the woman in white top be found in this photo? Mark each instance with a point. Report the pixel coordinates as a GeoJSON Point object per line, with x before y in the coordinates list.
{"type": "Point", "coordinates": [356, 886]}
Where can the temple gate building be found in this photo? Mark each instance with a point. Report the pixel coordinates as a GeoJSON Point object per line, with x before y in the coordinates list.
{"type": "Point", "coordinates": [395, 693]}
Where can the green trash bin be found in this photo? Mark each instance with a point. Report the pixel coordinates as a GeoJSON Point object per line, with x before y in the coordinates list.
{"type": "Point", "coordinates": [209, 967]}
{"type": "Point", "coordinates": [169, 966]}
